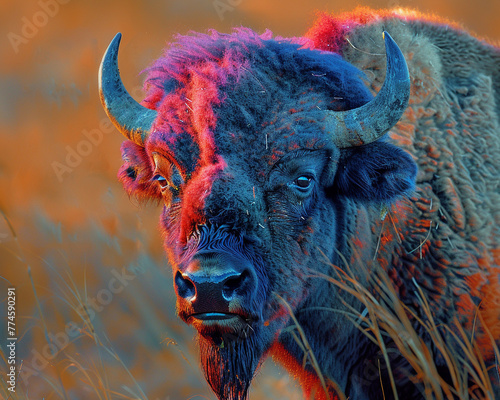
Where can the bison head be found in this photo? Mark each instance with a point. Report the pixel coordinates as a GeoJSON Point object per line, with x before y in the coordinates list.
{"type": "Point", "coordinates": [255, 146]}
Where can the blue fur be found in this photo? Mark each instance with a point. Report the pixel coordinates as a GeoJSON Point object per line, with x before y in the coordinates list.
{"type": "Point", "coordinates": [375, 173]}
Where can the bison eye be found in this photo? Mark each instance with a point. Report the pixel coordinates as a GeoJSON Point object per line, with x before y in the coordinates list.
{"type": "Point", "coordinates": [303, 182]}
{"type": "Point", "coordinates": [161, 180]}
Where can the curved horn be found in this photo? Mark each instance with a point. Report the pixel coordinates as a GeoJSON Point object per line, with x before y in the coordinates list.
{"type": "Point", "coordinates": [130, 118]}
{"type": "Point", "coordinates": [369, 122]}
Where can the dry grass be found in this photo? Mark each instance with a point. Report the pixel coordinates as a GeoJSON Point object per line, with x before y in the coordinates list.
{"type": "Point", "coordinates": [385, 319]}
{"type": "Point", "coordinates": [136, 348]}
{"type": "Point", "coordinates": [129, 346]}
{"type": "Point", "coordinates": [85, 363]}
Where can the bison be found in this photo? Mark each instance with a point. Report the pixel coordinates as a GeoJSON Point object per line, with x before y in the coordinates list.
{"type": "Point", "coordinates": [288, 167]}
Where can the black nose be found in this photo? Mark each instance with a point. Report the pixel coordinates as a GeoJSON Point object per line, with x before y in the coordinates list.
{"type": "Point", "coordinates": [213, 282]}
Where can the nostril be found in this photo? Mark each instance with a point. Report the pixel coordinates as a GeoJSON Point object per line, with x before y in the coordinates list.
{"type": "Point", "coordinates": [233, 283]}
{"type": "Point", "coordinates": [185, 287]}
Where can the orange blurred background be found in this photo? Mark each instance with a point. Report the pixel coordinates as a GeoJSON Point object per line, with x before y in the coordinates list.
{"type": "Point", "coordinates": [73, 226]}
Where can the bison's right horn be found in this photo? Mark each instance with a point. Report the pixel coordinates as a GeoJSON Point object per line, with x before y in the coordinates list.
{"type": "Point", "coordinates": [130, 118]}
{"type": "Point", "coordinates": [369, 122]}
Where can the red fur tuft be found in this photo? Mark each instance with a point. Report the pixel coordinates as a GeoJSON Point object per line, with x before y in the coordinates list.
{"type": "Point", "coordinates": [195, 193]}
{"type": "Point", "coordinates": [329, 31]}
{"type": "Point", "coordinates": [136, 173]}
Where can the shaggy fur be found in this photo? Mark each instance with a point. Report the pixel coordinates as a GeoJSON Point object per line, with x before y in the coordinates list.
{"type": "Point", "coordinates": [241, 119]}
{"type": "Point", "coordinates": [452, 130]}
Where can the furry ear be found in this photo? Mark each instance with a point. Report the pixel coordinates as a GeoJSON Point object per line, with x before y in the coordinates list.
{"type": "Point", "coordinates": [375, 173]}
{"type": "Point", "coordinates": [136, 173]}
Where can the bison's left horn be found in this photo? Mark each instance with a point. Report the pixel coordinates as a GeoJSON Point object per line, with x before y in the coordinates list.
{"type": "Point", "coordinates": [369, 122]}
{"type": "Point", "coordinates": [130, 118]}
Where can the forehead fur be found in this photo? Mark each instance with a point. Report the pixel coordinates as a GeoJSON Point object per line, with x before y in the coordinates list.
{"type": "Point", "coordinates": [208, 86]}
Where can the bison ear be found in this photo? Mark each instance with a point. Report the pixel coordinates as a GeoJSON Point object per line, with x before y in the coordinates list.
{"type": "Point", "coordinates": [136, 173]}
{"type": "Point", "coordinates": [378, 172]}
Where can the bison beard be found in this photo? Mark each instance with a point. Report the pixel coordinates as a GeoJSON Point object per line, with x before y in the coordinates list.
{"type": "Point", "coordinates": [254, 146]}
{"type": "Point", "coordinates": [230, 367]}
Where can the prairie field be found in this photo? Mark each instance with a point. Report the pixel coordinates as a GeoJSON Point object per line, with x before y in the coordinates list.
{"type": "Point", "coordinates": [94, 300]}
